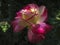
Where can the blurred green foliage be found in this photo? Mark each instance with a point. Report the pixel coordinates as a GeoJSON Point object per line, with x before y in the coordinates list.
{"type": "Point", "coordinates": [4, 25]}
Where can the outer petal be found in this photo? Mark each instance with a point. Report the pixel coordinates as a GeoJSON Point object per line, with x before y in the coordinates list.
{"type": "Point", "coordinates": [18, 25]}
{"type": "Point", "coordinates": [34, 38]}
{"type": "Point", "coordinates": [43, 14]}
{"type": "Point", "coordinates": [33, 35]}
{"type": "Point", "coordinates": [45, 26]}
{"type": "Point", "coordinates": [37, 33]}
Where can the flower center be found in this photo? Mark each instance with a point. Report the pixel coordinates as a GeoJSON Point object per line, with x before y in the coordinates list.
{"type": "Point", "coordinates": [30, 15]}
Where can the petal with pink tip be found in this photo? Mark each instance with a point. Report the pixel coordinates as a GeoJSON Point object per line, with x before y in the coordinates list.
{"type": "Point", "coordinates": [43, 14]}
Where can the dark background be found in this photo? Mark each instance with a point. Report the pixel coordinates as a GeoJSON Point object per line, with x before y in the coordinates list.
{"type": "Point", "coordinates": [8, 9]}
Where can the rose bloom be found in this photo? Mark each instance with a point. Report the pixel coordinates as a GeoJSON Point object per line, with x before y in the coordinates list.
{"type": "Point", "coordinates": [34, 17]}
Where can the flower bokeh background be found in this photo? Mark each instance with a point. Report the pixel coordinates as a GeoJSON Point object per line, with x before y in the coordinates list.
{"type": "Point", "coordinates": [8, 9]}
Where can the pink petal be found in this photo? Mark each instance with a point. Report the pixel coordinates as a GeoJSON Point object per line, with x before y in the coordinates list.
{"type": "Point", "coordinates": [38, 29]}
{"type": "Point", "coordinates": [19, 14]}
{"type": "Point", "coordinates": [48, 28]}
{"type": "Point", "coordinates": [37, 33]}
{"type": "Point", "coordinates": [17, 26]}
{"type": "Point", "coordinates": [34, 38]}
{"type": "Point", "coordinates": [29, 6]}
{"type": "Point", "coordinates": [43, 14]}
{"type": "Point", "coordinates": [45, 26]}
{"type": "Point", "coordinates": [34, 34]}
